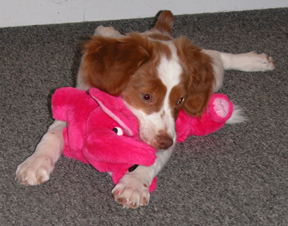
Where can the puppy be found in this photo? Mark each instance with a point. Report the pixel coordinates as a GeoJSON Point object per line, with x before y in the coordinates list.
{"type": "Point", "coordinates": [157, 76]}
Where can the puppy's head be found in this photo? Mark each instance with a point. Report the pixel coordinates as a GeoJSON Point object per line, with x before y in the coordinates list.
{"type": "Point", "coordinates": [156, 76]}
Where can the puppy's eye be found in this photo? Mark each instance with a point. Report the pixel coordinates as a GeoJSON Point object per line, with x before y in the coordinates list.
{"type": "Point", "coordinates": [146, 97]}
{"type": "Point", "coordinates": [118, 131]}
{"type": "Point", "coordinates": [180, 100]}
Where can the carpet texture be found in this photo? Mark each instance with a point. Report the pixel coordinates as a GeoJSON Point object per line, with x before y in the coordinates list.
{"type": "Point", "coordinates": [236, 176]}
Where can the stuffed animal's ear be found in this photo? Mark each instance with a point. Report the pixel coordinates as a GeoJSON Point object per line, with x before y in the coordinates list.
{"type": "Point", "coordinates": [72, 100]}
{"type": "Point", "coordinates": [200, 71]}
{"type": "Point", "coordinates": [109, 63]}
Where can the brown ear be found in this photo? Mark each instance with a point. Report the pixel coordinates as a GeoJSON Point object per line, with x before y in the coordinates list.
{"type": "Point", "coordinates": [201, 77]}
{"type": "Point", "coordinates": [165, 22]}
{"type": "Point", "coordinates": [109, 63]}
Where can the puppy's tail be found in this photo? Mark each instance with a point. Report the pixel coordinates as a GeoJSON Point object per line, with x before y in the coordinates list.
{"type": "Point", "coordinates": [237, 116]}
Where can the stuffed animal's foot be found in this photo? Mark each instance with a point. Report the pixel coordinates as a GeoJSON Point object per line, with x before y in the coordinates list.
{"type": "Point", "coordinates": [34, 170]}
{"type": "Point", "coordinates": [106, 32]}
{"type": "Point", "coordinates": [221, 107]}
{"type": "Point", "coordinates": [131, 192]}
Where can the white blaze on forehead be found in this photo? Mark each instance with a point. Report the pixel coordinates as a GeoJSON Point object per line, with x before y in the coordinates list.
{"type": "Point", "coordinates": [169, 71]}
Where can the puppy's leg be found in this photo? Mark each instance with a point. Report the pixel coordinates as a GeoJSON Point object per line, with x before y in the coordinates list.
{"type": "Point", "coordinates": [37, 168]}
{"type": "Point", "coordinates": [132, 190]}
{"type": "Point", "coordinates": [251, 61]}
{"type": "Point", "coordinates": [218, 68]}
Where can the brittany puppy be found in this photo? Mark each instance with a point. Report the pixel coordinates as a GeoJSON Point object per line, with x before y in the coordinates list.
{"type": "Point", "coordinates": [156, 75]}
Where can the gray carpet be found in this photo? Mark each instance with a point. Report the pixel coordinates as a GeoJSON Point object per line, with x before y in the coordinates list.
{"type": "Point", "coordinates": [236, 176]}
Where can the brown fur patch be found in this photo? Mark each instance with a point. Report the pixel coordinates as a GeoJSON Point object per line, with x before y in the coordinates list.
{"type": "Point", "coordinates": [128, 66]}
{"type": "Point", "coordinates": [177, 92]}
{"type": "Point", "coordinates": [165, 22]}
{"type": "Point", "coordinates": [108, 63]}
{"type": "Point", "coordinates": [198, 67]}
{"type": "Point", "coordinates": [160, 36]}
{"type": "Point", "coordinates": [146, 81]}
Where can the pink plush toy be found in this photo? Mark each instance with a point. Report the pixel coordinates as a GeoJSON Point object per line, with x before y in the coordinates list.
{"type": "Point", "coordinates": [102, 132]}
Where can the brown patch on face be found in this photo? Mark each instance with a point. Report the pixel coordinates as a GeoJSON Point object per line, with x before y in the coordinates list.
{"type": "Point", "coordinates": [160, 49]}
{"type": "Point", "coordinates": [146, 81]}
{"type": "Point", "coordinates": [178, 92]}
{"type": "Point", "coordinates": [199, 69]}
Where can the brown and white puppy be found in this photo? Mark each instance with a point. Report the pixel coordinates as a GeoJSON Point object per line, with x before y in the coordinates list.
{"type": "Point", "coordinates": [156, 75]}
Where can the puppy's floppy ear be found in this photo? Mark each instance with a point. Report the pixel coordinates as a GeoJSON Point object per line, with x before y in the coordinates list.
{"type": "Point", "coordinates": [165, 22]}
{"type": "Point", "coordinates": [199, 67]}
{"type": "Point", "coordinates": [108, 63]}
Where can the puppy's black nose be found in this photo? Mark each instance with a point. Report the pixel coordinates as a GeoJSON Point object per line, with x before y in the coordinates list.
{"type": "Point", "coordinates": [164, 141]}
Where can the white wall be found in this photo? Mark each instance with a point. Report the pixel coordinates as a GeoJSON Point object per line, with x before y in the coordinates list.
{"type": "Point", "coordinates": [31, 12]}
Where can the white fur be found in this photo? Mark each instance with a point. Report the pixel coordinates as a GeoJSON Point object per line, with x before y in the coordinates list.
{"type": "Point", "coordinates": [169, 71]}
{"type": "Point", "coordinates": [37, 168]}
{"type": "Point", "coordinates": [251, 61]}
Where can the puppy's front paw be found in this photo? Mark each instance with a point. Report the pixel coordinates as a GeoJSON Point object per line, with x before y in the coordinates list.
{"type": "Point", "coordinates": [131, 192]}
{"type": "Point", "coordinates": [34, 170]}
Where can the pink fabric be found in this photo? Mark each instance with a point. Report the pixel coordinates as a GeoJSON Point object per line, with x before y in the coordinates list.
{"type": "Point", "coordinates": [209, 122]}
{"type": "Point", "coordinates": [89, 137]}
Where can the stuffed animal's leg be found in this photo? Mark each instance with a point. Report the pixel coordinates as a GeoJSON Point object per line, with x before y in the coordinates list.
{"type": "Point", "coordinates": [132, 190]}
{"type": "Point", "coordinates": [37, 168]}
